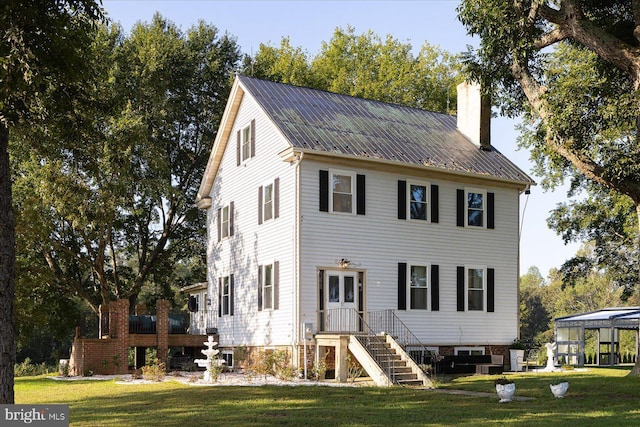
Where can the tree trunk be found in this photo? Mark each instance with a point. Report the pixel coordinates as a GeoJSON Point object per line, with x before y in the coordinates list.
{"type": "Point", "coordinates": [636, 368]}
{"type": "Point", "coordinates": [7, 273]}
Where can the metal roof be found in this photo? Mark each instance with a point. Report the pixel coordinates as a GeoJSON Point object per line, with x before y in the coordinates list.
{"type": "Point", "coordinates": [623, 317]}
{"type": "Point", "coordinates": [334, 123]}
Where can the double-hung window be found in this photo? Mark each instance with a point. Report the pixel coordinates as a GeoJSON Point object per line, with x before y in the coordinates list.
{"type": "Point", "coordinates": [418, 201]}
{"type": "Point", "coordinates": [268, 286]}
{"type": "Point", "coordinates": [246, 143]}
{"type": "Point", "coordinates": [476, 208]}
{"type": "Point", "coordinates": [268, 202]}
{"type": "Point", "coordinates": [226, 296]}
{"type": "Point", "coordinates": [475, 289]}
{"type": "Point", "coordinates": [418, 287]}
{"type": "Point", "coordinates": [225, 222]}
{"type": "Point", "coordinates": [342, 191]}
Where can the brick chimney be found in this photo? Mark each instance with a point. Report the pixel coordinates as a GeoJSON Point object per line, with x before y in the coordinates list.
{"type": "Point", "coordinates": [474, 115]}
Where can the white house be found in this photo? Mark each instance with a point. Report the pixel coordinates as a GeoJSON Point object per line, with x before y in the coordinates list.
{"type": "Point", "coordinates": [330, 217]}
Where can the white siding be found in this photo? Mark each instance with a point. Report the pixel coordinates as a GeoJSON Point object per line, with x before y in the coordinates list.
{"type": "Point", "coordinates": [253, 244]}
{"type": "Point", "coordinates": [378, 241]}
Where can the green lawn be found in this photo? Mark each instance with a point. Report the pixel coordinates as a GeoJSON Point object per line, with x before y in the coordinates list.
{"type": "Point", "coordinates": [597, 397]}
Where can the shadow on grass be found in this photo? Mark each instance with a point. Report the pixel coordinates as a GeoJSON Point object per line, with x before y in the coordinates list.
{"type": "Point", "coordinates": [594, 398]}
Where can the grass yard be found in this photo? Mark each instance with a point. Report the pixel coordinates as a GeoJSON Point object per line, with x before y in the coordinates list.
{"type": "Point", "coordinates": [598, 397]}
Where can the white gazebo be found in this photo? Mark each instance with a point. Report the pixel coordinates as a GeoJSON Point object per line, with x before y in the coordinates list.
{"type": "Point", "coordinates": [569, 333]}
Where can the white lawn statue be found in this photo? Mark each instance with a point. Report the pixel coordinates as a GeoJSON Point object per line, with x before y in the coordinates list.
{"type": "Point", "coordinates": [551, 356]}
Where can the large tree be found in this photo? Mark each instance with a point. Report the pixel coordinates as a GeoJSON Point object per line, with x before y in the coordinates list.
{"type": "Point", "coordinates": [572, 69]}
{"type": "Point", "coordinates": [112, 211]}
{"type": "Point", "coordinates": [367, 66]}
{"type": "Point", "coordinates": [41, 44]}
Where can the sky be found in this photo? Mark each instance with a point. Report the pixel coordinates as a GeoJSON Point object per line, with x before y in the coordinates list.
{"type": "Point", "coordinates": [308, 24]}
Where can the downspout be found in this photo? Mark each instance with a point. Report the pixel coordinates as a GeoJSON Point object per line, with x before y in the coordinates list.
{"type": "Point", "coordinates": [296, 326]}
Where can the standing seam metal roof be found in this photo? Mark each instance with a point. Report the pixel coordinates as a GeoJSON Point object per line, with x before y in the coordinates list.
{"type": "Point", "coordinates": [335, 123]}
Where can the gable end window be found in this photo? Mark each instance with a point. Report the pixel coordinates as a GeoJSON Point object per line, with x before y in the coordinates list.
{"type": "Point", "coordinates": [268, 201]}
{"type": "Point", "coordinates": [342, 192]}
{"type": "Point", "coordinates": [475, 208]}
{"type": "Point", "coordinates": [417, 201]}
{"type": "Point", "coordinates": [246, 143]}
{"type": "Point", "coordinates": [225, 221]}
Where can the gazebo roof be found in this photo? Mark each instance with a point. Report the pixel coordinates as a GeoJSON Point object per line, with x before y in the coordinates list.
{"type": "Point", "coordinates": [619, 317]}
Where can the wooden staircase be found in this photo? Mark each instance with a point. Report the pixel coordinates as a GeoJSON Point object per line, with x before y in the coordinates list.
{"type": "Point", "coordinates": [401, 372]}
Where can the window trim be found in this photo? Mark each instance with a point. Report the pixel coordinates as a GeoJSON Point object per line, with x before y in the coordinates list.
{"type": "Point", "coordinates": [245, 143]}
{"type": "Point", "coordinates": [457, 350]}
{"type": "Point", "coordinates": [353, 193]}
{"type": "Point", "coordinates": [484, 193]}
{"type": "Point", "coordinates": [427, 289]}
{"type": "Point", "coordinates": [267, 303]}
{"type": "Point", "coordinates": [229, 353]}
{"type": "Point", "coordinates": [226, 297]}
{"type": "Point", "coordinates": [427, 188]}
{"type": "Point", "coordinates": [225, 226]}
{"type": "Point", "coordinates": [467, 289]}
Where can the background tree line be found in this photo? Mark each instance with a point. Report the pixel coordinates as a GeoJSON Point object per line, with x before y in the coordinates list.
{"type": "Point", "coordinates": [104, 188]}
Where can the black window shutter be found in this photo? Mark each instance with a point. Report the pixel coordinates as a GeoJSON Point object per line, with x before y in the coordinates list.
{"type": "Point", "coordinates": [491, 289]}
{"type": "Point", "coordinates": [490, 210]}
{"type": "Point", "coordinates": [219, 297]}
{"type": "Point", "coordinates": [324, 191]}
{"type": "Point", "coordinates": [402, 199]}
{"type": "Point", "coordinates": [231, 292]}
{"type": "Point", "coordinates": [435, 287]}
{"type": "Point", "coordinates": [276, 285]}
{"type": "Point", "coordinates": [219, 224]}
{"type": "Point", "coordinates": [276, 198]}
{"type": "Point", "coordinates": [260, 205]}
{"type": "Point", "coordinates": [460, 207]}
{"type": "Point", "coordinates": [360, 194]}
{"type": "Point", "coordinates": [231, 219]}
{"type": "Point", "coordinates": [238, 150]}
{"type": "Point", "coordinates": [253, 138]}
{"type": "Point", "coordinates": [402, 286]}
{"type": "Point", "coordinates": [321, 289]}
{"type": "Point", "coordinates": [260, 281]}
{"type": "Point", "coordinates": [460, 288]}
{"type": "Point", "coordinates": [435, 209]}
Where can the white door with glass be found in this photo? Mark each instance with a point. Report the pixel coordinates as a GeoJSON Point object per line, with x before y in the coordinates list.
{"type": "Point", "coordinates": [341, 301]}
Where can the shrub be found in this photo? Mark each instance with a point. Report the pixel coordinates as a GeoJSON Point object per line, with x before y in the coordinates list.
{"type": "Point", "coordinates": [28, 369]}
{"type": "Point", "coordinates": [354, 369]}
{"type": "Point", "coordinates": [318, 370]}
{"type": "Point", "coordinates": [154, 371]}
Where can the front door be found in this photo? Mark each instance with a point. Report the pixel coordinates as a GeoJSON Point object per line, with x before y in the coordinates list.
{"type": "Point", "coordinates": [342, 301]}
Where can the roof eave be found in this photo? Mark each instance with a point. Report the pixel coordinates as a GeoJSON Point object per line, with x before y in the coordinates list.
{"type": "Point", "coordinates": [294, 153]}
{"type": "Point", "coordinates": [220, 143]}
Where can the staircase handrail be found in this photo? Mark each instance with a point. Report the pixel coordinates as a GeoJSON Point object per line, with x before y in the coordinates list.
{"type": "Point", "coordinates": [388, 322]}
{"type": "Point", "coordinates": [380, 353]}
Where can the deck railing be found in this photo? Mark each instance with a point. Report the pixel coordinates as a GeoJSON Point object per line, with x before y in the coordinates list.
{"type": "Point", "coordinates": [147, 324]}
{"type": "Point", "coordinates": [201, 321]}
